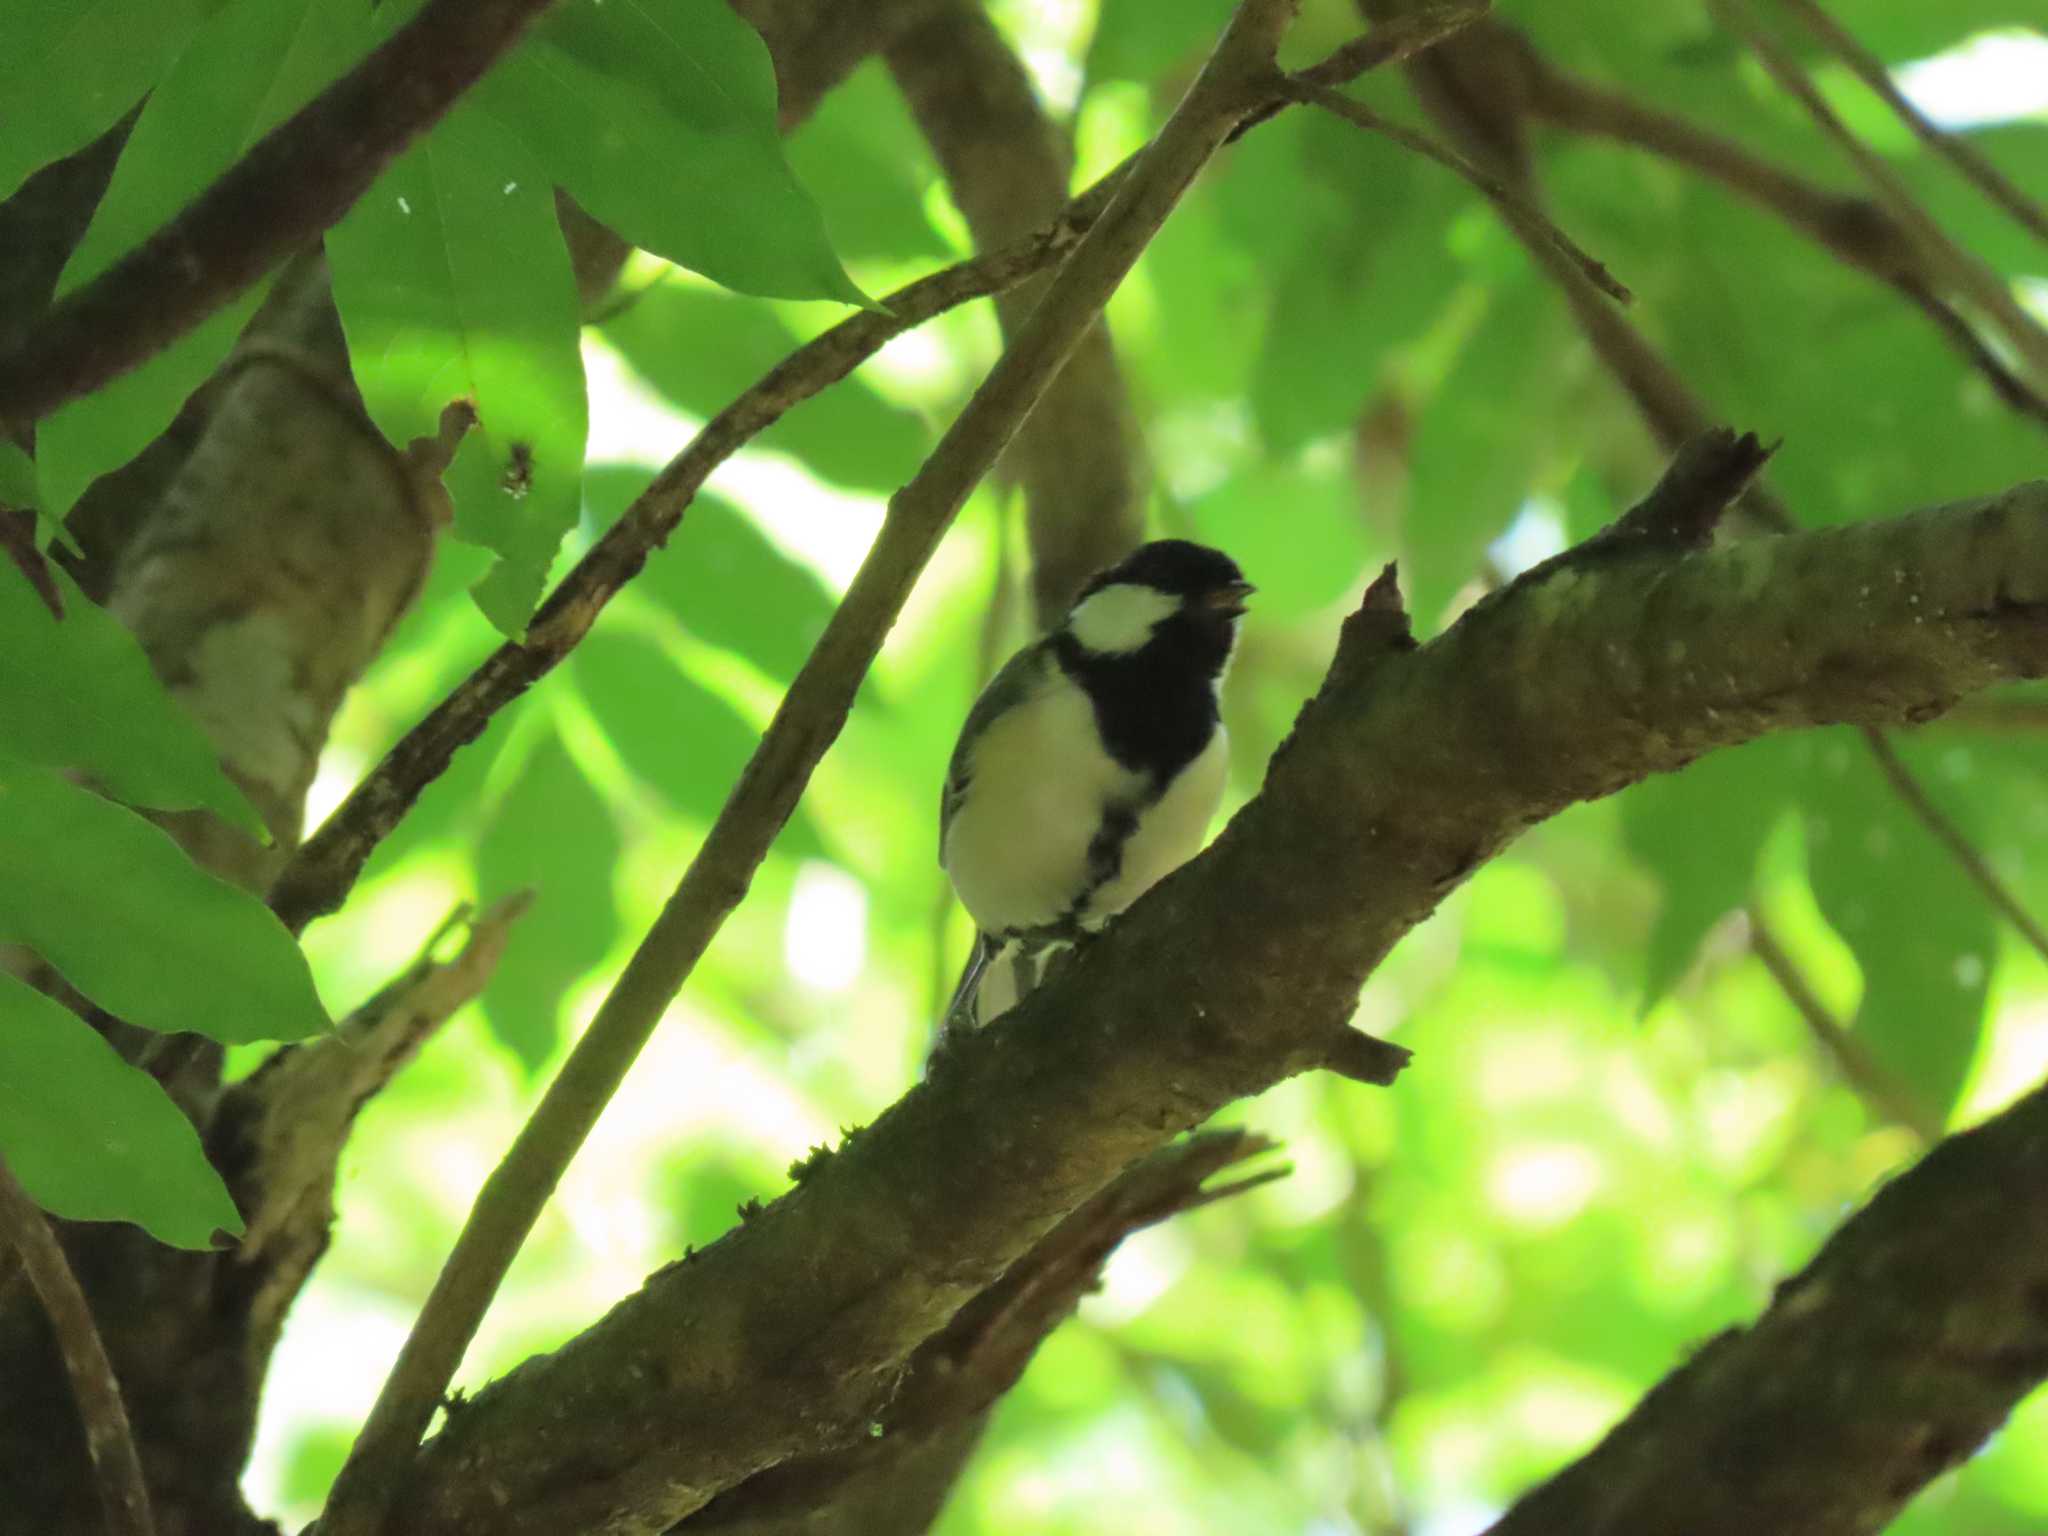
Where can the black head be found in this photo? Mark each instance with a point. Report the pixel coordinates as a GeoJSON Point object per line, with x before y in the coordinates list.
{"type": "Point", "coordinates": [1168, 596]}
{"type": "Point", "coordinates": [1179, 567]}
{"type": "Point", "coordinates": [1148, 639]}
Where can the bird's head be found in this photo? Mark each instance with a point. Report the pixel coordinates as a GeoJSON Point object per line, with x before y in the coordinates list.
{"type": "Point", "coordinates": [1170, 593]}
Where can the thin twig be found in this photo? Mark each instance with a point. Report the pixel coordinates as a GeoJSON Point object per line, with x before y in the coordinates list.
{"type": "Point", "coordinates": [1853, 229]}
{"type": "Point", "coordinates": [296, 182]}
{"type": "Point", "coordinates": [1674, 414]}
{"type": "Point", "coordinates": [1950, 836]}
{"type": "Point", "coordinates": [1971, 277]}
{"type": "Point", "coordinates": [1880, 1090]}
{"type": "Point", "coordinates": [1394, 41]}
{"type": "Point", "coordinates": [1237, 79]}
{"type": "Point", "coordinates": [1513, 206]}
{"type": "Point", "coordinates": [324, 868]}
{"type": "Point", "coordinates": [26, 1232]}
{"type": "Point", "coordinates": [1965, 156]}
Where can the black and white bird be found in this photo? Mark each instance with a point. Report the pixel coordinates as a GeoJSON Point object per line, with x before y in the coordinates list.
{"type": "Point", "coordinates": [1090, 766]}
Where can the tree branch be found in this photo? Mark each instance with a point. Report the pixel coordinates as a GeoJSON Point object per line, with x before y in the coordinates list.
{"type": "Point", "coordinates": [278, 1135]}
{"type": "Point", "coordinates": [26, 1233]}
{"type": "Point", "coordinates": [1237, 78]}
{"type": "Point", "coordinates": [1408, 770]}
{"type": "Point", "coordinates": [956, 1377]}
{"type": "Point", "coordinates": [1885, 1362]}
{"type": "Point", "coordinates": [1007, 168]}
{"type": "Point", "coordinates": [1880, 1091]}
{"type": "Point", "coordinates": [324, 869]}
{"type": "Point", "coordinates": [1854, 229]}
{"type": "Point", "coordinates": [1962, 154]}
{"type": "Point", "coordinates": [1950, 836]}
{"type": "Point", "coordinates": [1970, 276]}
{"type": "Point", "coordinates": [276, 199]}
{"type": "Point", "coordinates": [1512, 205]}
{"type": "Point", "coordinates": [1672, 412]}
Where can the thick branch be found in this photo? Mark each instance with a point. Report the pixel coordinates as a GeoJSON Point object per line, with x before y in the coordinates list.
{"type": "Point", "coordinates": [1408, 770]}
{"type": "Point", "coordinates": [1887, 1361]}
{"type": "Point", "coordinates": [1237, 78]}
{"type": "Point", "coordinates": [957, 1376]}
{"type": "Point", "coordinates": [281, 195]}
{"type": "Point", "coordinates": [25, 1233]}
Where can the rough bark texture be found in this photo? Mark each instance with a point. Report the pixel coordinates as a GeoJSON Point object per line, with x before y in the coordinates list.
{"type": "Point", "coordinates": [1887, 1361]}
{"type": "Point", "coordinates": [1007, 167]}
{"type": "Point", "coordinates": [1409, 769]}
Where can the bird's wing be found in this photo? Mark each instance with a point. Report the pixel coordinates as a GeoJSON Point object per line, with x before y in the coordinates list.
{"type": "Point", "coordinates": [1020, 676]}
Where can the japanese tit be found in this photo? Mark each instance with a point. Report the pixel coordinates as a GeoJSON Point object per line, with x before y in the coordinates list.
{"type": "Point", "coordinates": [1090, 766]}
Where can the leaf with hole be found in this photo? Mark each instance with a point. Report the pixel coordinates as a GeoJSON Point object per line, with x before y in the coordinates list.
{"type": "Point", "coordinates": [453, 283]}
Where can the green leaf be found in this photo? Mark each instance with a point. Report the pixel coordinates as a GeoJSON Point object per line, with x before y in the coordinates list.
{"type": "Point", "coordinates": [1355, 289]}
{"type": "Point", "coordinates": [94, 1139]}
{"type": "Point", "coordinates": [1141, 39]}
{"type": "Point", "coordinates": [678, 736]}
{"type": "Point", "coordinates": [701, 348]}
{"type": "Point", "coordinates": [129, 920]}
{"type": "Point", "coordinates": [80, 694]}
{"type": "Point", "coordinates": [659, 117]}
{"type": "Point", "coordinates": [1296, 531]}
{"type": "Point", "coordinates": [452, 281]}
{"type": "Point", "coordinates": [553, 833]}
{"type": "Point", "coordinates": [867, 165]}
{"type": "Point", "coordinates": [723, 579]}
{"type": "Point", "coordinates": [1485, 441]}
{"type": "Point", "coordinates": [250, 67]}
{"type": "Point", "coordinates": [18, 492]}
{"type": "Point", "coordinates": [1920, 931]}
{"type": "Point", "coordinates": [1700, 832]}
{"type": "Point", "coordinates": [72, 67]}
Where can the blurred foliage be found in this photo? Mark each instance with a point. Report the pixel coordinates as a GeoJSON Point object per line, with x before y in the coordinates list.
{"type": "Point", "coordinates": [1617, 1134]}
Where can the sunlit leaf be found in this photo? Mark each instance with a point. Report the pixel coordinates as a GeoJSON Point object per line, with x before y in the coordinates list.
{"type": "Point", "coordinates": [453, 282]}
{"type": "Point", "coordinates": [94, 1139]}
{"type": "Point", "coordinates": [79, 694]}
{"type": "Point", "coordinates": [129, 920]}
{"type": "Point", "coordinates": [686, 743]}
{"type": "Point", "coordinates": [659, 116]}
{"type": "Point", "coordinates": [724, 581]}
{"type": "Point", "coordinates": [701, 348]}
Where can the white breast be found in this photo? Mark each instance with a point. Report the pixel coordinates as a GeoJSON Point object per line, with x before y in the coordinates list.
{"type": "Point", "coordinates": [1017, 846]}
{"type": "Point", "coordinates": [1169, 832]}
{"type": "Point", "coordinates": [1039, 782]}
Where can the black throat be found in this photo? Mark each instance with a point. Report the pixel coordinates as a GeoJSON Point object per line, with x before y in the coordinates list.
{"type": "Point", "coordinates": [1155, 706]}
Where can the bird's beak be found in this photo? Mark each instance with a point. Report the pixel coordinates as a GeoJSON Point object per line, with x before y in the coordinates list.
{"type": "Point", "coordinates": [1230, 599]}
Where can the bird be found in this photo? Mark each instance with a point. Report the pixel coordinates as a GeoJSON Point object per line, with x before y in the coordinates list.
{"type": "Point", "coordinates": [1090, 766]}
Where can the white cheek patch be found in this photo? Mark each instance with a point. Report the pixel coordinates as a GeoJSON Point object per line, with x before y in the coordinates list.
{"type": "Point", "coordinates": [1120, 618]}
